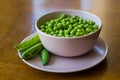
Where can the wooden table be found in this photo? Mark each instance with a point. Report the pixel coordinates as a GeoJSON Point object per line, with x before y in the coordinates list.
{"type": "Point", "coordinates": [17, 18]}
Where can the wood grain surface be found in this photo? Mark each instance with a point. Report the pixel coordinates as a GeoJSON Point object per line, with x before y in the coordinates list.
{"type": "Point", "coordinates": [17, 19]}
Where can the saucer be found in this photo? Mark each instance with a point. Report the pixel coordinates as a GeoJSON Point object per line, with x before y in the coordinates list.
{"type": "Point", "coordinates": [58, 64]}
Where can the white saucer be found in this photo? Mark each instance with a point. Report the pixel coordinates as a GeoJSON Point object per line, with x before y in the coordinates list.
{"type": "Point", "coordinates": [59, 64]}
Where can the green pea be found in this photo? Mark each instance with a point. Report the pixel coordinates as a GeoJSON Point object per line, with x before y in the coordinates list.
{"type": "Point", "coordinates": [61, 31]}
{"type": "Point", "coordinates": [78, 30]}
{"type": "Point", "coordinates": [75, 17]}
{"type": "Point", "coordinates": [79, 23]}
{"type": "Point", "coordinates": [88, 29]}
{"type": "Point", "coordinates": [43, 30]}
{"type": "Point", "coordinates": [49, 25]}
{"type": "Point", "coordinates": [60, 35]}
{"type": "Point", "coordinates": [52, 32]}
{"type": "Point", "coordinates": [67, 35]}
{"type": "Point", "coordinates": [71, 35]}
{"type": "Point", "coordinates": [52, 21]}
{"type": "Point", "coordinates": [70, 27]}
{"type": "Point", "coordinates": [67, 23]}
{"type": "Point", "coordinates": [81, 20]}
{"type": "Point", "coordinates": [63, 24]}
{"type": "Point", "coordinates": [56, 32]}
{"type": "Point", "coordinates": [94, 30]}
{"type": "Point", "coordinates": [80, 26]}
{"type": "Point", "coordinates": [82, 33]}
{"type": "Point", "coordinates": [67, 19]}
{"type": "Point", "coordinates": [59, 25]}
{"type": "Point", "coordinates": [41, 27]}
{"type": "Point", "coordinates": [86, 25]}
{"type": "Point", "coordinates": [78, 34]}
{"type": "Point", "coordinates": [95, 26]}
{"type": "Point", "coordinates": [63, 20]}
{"type": "Point", "coordinates": [73, 21]}
{"type": "Point", "coordinates": [55, 28]}
{"type": "Point", "coordinates": [47, 31]}
{"type": "Point", "coordinates": [75, 24]}
{"type": "Point", "coordinates": [91, 22]}
{"type": "Point", "coordinates": [56, 21]}
{"type": "Point", "coordinates": [66, 31]}
{"type": "Point", "coordinates": [82, 29]}
{"type": "Point", "coordinates": [62, 16]}
{"type": "Point", "coordinates": [54, 25]}
{"type": "Point", "coordinates": [73, 32]}
{"type": "Point", "coordinates": [84, 21]}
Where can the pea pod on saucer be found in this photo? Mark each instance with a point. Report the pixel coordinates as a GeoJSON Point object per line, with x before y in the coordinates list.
{"type": "Point", "coordinates": [26, 44]}
{"type": "Point", "coordinates": [31, 48]}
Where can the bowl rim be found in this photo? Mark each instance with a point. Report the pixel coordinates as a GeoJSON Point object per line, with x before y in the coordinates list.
{"type": "Point", "coordinates": [68, 37]}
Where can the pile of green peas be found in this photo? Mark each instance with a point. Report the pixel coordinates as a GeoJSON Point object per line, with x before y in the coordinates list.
{"type": "Point", "coordinates": [68, 26]}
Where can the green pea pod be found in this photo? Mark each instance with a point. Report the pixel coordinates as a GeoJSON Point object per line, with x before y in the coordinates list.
{"type": "Point", "coordinates": [32, 51]}
{"type": "Point", "coordinates": [26, 44]}
{"type": "Point", "coordinates": [44, 56]}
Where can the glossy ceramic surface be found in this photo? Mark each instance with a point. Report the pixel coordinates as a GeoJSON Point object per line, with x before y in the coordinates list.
{"type": "Point", "coordinates": [59, 64]}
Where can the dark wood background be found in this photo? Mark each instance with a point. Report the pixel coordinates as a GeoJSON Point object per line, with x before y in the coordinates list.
{"type": "Point", "coordinates": [17, 18]}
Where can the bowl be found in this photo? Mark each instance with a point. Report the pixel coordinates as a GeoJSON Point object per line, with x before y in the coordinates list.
{"type": "Point", "coordinates": [71, 46]}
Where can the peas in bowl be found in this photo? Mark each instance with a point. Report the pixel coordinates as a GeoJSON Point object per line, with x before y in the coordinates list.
{"type": "Point", "coordinates": [68, 33]}
{"type": "Point", "coordinates": [68, 26]}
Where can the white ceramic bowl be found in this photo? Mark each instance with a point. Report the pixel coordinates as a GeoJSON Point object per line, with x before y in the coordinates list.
{"type": "Point", "coordinates": [69, 47]}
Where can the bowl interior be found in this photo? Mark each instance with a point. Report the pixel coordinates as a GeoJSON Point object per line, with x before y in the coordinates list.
{"type": "Point", "coordinates": [82, 14]}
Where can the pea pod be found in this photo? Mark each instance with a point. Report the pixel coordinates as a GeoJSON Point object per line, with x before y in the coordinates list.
{"type": "Point", "coordinates": [32, 51]}
{"type": "Point", "coordinates": [27, 44]}
{"type": "Point", "coordinates": [44, 56]}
